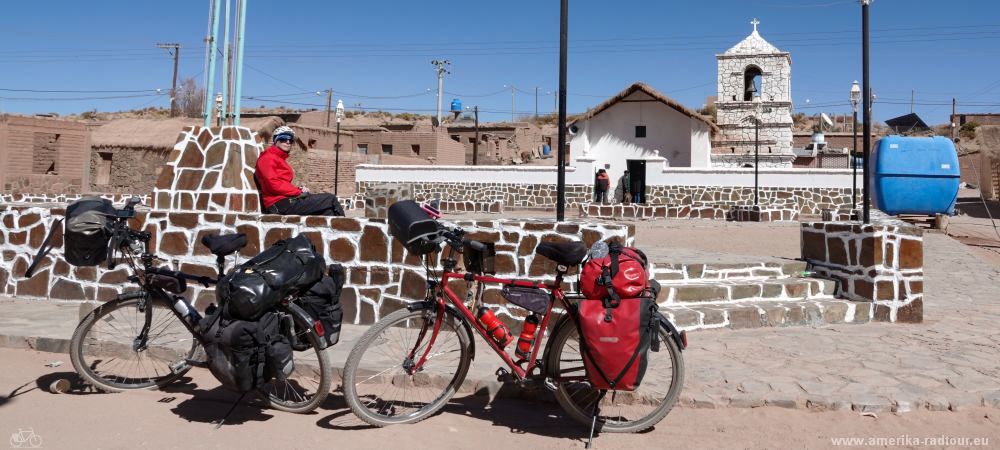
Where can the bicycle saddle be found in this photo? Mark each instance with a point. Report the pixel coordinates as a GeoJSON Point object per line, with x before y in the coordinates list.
{"type": "Point", "coordinates": [567, 253]}
{"type": "Point", "coordinates": [225, 244]}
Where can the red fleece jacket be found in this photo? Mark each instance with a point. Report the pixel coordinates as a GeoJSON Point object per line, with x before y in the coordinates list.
{"type": "Point", "coordinates": [275, 176]}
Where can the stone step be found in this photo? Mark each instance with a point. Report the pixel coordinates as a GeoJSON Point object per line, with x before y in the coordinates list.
{"type": "Point", "coordinates": [667, 272]}
{"type": "Point", "coordinates": [744, 290]}
{"type": "Point", "coordinates": [742, 315]}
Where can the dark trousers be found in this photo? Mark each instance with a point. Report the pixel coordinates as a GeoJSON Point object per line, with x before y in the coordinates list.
{"type": "Point", "coordinates": [310, 205]}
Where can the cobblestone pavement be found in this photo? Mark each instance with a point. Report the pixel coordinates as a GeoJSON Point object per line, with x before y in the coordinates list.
{"type": "Point", "coordinates": [950, 361]}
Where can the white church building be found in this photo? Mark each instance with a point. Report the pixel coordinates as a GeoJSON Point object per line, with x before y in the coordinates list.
{"type": "Point", "coordinates": [641, 124]}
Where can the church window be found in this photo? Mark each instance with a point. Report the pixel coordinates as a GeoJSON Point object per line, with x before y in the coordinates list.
{"type": "Point", "coordinates": [752, 78]}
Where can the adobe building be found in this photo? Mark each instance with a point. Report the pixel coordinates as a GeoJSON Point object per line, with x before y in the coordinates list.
{"type": "Point", "coordinates": [43, 155]}
{"type": "Point", "coordinates": [754, 87]}
{"type": "Point", "coordinates": [505, 142]}
{"type": "Point", "coordinates": [408, 147]}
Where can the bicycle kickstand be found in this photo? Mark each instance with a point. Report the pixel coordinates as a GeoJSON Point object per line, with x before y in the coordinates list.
{"type": "Point", "coordinates": [593, 420]}
{"type": "Point", "coordinates": [231, 409]}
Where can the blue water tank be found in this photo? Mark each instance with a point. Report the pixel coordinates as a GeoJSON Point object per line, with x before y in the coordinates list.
{"type": "Point", "coordinates": [456, 105]}
{"type": "Point", "coordinates": [546, 150]}
{"type": "Point", "coordinates": [915, 175]}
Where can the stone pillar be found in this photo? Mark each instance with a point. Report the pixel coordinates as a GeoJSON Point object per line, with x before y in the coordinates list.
{"type": "Point", "coordinates": [210, 170]}
{"type": "Point", "coordinates": [880, 263]}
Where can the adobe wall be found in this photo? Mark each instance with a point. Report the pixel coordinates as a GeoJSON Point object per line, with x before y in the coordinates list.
{"type": "Point", "coordinates": [880, 263]}
{"type": "Point", "coordinates": [133, 170]}
{"type": "Point", "coordinates": [30, 146]}
{"type": "Point", "coordinates": [382, 276]}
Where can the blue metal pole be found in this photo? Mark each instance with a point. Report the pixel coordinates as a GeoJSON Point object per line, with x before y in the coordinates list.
{"type": "Point", "coordinates": [213, 48]}
{"type": "Point", "coordinates": [238, 92]}
{"type": "Point", "coordinates": [225, 63]}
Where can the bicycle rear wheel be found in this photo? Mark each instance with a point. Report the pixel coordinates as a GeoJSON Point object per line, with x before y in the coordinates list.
{"type": "Point", "coordinates": [377, 385]}
{"type": "Point", "coordinates": [309, 384]}
{"type": "Point", "coordinates": [619, 411]}
{"type": "Point", "coordinates": [105, 353]}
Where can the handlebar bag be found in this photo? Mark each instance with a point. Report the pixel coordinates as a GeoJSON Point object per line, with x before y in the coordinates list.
{"type": "Point", "coordinates": [87, 231]}
{"type": "Point", "coordinates": [322, 302]}
{"type": "Point", "coordinates": [243, 355]}
{"type": "Point", "coordinates": [289, 267]}
{"type": "Point", "coordinates": [413, 227]}
{"type": "Point", "coordinates": [614, 339]}
{"type": "Point", "coordinates": [622, 274]}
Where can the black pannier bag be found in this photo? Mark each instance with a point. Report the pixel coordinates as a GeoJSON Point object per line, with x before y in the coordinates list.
{"type": "Point", "coordinates": [87, 231]}
{"type": "Point", "coordinates": [243, 355]}
{"type": "Point", "coordinates": [413, 227]}
{"type": "Point", "coordinates": [533, 299]}
{"type": "Point", "coordinates": [289, 267]}
{"type": "Point", "coordinates": [322, 302]}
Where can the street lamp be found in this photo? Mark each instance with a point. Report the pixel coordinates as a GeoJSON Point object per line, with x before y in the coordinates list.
{"type": "Point", "coordinates": [336, 147]}
{"type": "Point", "coordinates": [855, 99]}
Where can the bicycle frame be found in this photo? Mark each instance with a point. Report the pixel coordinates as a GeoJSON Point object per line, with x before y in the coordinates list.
{"type": "Point", "coordinates": [556, 294]}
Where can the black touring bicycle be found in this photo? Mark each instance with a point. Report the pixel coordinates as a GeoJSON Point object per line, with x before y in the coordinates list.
{"type": "Point", "coordinates": [151, 336]}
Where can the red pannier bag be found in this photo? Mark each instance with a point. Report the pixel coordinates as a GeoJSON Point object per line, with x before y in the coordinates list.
{"type": "Point", "coordinates": [615, 336]}
{"type": "Point", "coordinates": [622, 272]}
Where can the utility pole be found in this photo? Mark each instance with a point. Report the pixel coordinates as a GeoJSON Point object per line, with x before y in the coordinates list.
{"type": "Point", "coordinates": [329, 98]}
{"type": "Point", "coordinates": [475, 143]}
{"type": "Point", "coordinates": [512, 103]}
{"type": "Point", "coordinates": [954, 117]}
{"type": "Point", "coordinates": [913, 95]}
{"type": "Point", "coordinates": [173, 89]}
{"type": "Point", "coordinates": [536, 103]}
{"type": "Point", "coordinates": [441, 71]}
{"type": "Point", "coordinates": [867, 111]}
{"type": "Point", "coordinates": [561, 150]}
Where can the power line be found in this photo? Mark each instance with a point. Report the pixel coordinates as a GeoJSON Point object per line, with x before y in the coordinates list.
{"type": "Point", "coordinates": [75, 98]}
{"type": "Point", "coordinates": [63, 91]}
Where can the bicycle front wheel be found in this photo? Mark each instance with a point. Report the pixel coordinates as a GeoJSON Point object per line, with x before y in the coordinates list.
{"type": "Point", "coordinates": [309, 384]}
{"type": "Point", "coordinates": [106, 353]}
{"type": "Point", "coordinates": [381, 385]}
{"type": "Point", "coordinates": [619, 411]}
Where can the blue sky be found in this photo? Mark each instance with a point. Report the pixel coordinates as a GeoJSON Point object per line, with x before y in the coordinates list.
{"type": "Point", "coordinates": [366, 50]}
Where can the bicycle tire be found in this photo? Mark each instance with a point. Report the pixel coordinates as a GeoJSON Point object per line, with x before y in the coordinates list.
{"type": "Point", "coordinates": [302, 366]}
{"type": "Point", "coordinates": [566, 332]}
{"type": "Point", "coordinates": [395, 374]}
{"type": "Point", "coordinates": [84, 337]}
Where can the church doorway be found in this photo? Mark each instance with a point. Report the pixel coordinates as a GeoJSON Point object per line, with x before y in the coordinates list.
{"type": "Point", "coordinates": [637, 172]}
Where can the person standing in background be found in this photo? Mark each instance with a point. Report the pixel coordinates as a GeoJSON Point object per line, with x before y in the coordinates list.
{"type": "Point", "coordinates": [601, 187]}
{"type": "Point", "coordinates": [626, 186]}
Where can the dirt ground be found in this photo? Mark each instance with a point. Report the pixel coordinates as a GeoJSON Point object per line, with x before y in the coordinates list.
{"type": "Point", "coordinates": [181, 417]}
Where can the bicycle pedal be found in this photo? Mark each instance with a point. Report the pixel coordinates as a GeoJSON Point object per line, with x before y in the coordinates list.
{"type": "Point", "coordinates": [504, 375]}
{"type": "Point", "coordinates": [179, 366]}
{"type": "Point", "coordinates": [550, 385]}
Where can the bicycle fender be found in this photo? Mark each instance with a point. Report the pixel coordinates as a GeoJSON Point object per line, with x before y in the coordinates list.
{"type": "Point", "coordinates": [425, 305]}
{"type": "Point", "coordinates": [676, 335]}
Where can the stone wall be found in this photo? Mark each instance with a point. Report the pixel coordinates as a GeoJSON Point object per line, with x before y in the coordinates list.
{"type": "Point", "coordinates": [382, 276]}
{"type": "Point", "coordinates": [42, 155]}
{"type": "Point", "coordinates": [880, 263]}
{"type": "Point", "coordinates": [210, 170]}
{"type": "Point", "coordinates": [485, 195]}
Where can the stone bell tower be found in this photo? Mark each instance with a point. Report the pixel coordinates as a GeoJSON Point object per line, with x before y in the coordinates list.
{"type": "Point", "coordinates": [754, 85]}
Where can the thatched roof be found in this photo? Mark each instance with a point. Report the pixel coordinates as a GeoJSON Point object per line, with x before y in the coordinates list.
{"type": "Point", "coordinates": [162, 133]}
{"type": "Point", "coordinates": [643, 87]}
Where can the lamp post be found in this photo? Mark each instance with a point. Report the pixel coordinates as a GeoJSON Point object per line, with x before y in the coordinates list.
{"type": "Point", "coordinates": [855, 99]}
{"type": "Point", "coordinates": [336, 147]}
{"type": "Point", "coordinates": [758, 109]}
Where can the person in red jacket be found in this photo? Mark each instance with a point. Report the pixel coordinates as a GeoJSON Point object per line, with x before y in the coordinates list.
{"type": "Point", "coordinates": [274, 179]}
{"type": "Point", "coordinates": [601, 188]}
